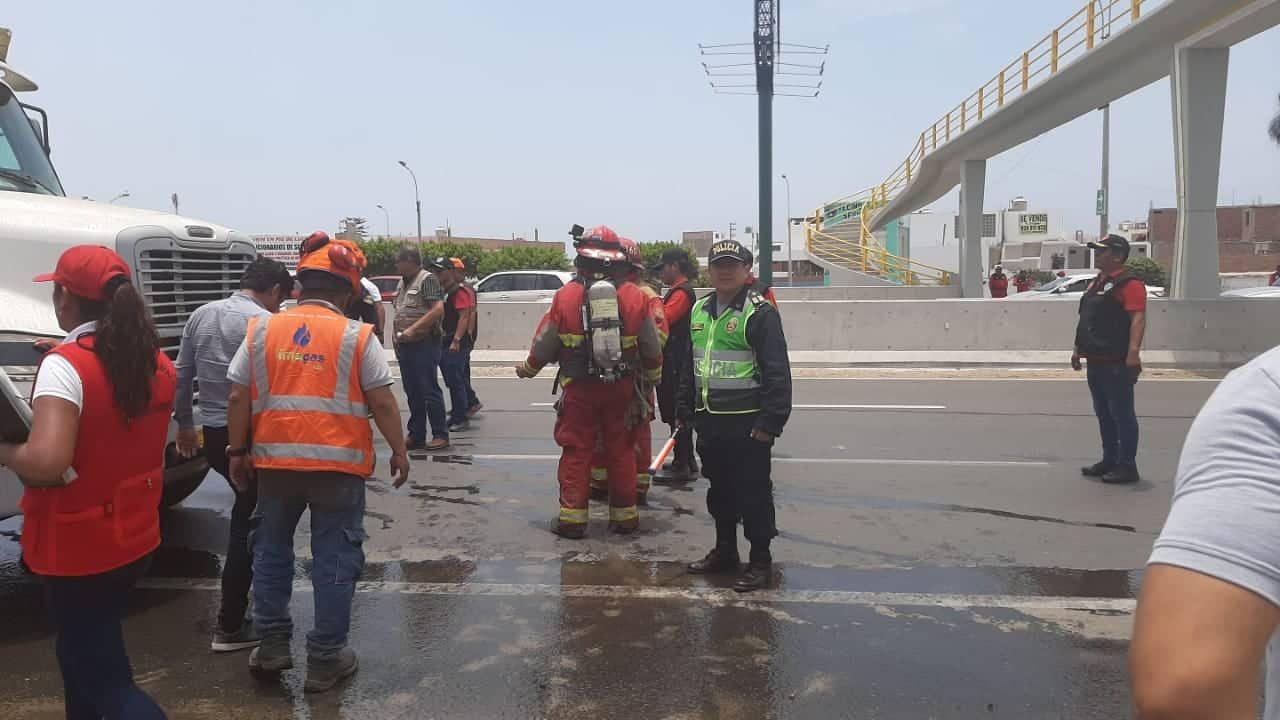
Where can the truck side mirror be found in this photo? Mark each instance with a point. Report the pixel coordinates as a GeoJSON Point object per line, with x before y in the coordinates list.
{"type": "Point", "coordinates": [39, 125]}
{"type": "Point", "coordinates": [39, 134]}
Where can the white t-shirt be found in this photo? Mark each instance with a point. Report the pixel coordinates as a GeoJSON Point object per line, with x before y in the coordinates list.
{"type": "Point", "coordinates": [372, 289]}
{"type": "Point", "coordinates": [58, 378]}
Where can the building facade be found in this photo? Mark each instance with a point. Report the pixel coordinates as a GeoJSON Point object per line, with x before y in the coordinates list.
{"type": "Point", "coordinates": [1248, 237]}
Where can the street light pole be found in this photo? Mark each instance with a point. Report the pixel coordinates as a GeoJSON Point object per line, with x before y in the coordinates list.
{"type": "Point", "coordinates": [791, 278]}
{"type": "Point", "coordinates": [416, 198]}
{"type": "Point", "coordinates": [386, 215]}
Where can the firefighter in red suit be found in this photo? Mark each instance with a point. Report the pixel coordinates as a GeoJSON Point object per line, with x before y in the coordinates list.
{"type": "Point", "coordinates": [596, 397]}
{"type": "Point", "coordinates": [630, 273]}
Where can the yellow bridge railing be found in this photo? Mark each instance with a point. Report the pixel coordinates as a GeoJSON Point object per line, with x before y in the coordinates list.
{"type": "Point", "coordinates": [1079, 35]}
{"type": "Point", "coordinates": [869, 256]}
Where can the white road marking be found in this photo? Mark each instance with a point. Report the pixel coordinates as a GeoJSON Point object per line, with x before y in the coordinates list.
{"type": "Point", "coordinates": [817, 461]}
{"type": "Point", "coordinates": [703, 594]}
{"type": "Point", "coordinates": [824, 407]}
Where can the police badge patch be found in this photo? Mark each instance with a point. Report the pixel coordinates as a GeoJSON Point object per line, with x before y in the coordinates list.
{"type": "Point", "coordinates": [732, 325]}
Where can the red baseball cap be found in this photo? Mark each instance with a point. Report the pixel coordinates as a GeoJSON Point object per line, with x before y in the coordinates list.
{"type": "Point", "coordinates": [85, 269]}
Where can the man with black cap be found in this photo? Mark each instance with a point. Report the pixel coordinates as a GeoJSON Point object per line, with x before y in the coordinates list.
{"type": "Point", "coordinates": [675, 270]}
{"type": "Point", "coordinates": [741, 399]}
{"type": "Point", "coordinates": [1113, 319]}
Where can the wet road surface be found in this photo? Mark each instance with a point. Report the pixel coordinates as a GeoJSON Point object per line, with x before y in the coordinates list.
{"type": "Point", "coordinates": [940, 557]}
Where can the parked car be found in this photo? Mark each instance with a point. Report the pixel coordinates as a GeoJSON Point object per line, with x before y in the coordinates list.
{"type": "Point", "coordinates": [521, 285]}
{"type": "Point", "coordinates": [388, 285]}
{"type": "Point", "coordinates": [1071, 287]}
{"type": "Point", "coordinates": [1253, 292]}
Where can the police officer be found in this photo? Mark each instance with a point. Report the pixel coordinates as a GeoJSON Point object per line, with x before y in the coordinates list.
{"type": "Point", "coordinates": [741, 399]}
{"type": "Point", "coordinates": [1113, 319]}
{"type": "Point", "coordinates": [675, 270]}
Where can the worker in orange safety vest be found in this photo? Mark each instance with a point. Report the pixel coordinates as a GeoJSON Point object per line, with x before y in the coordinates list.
{"type": "Point", "coordinates": [303, 385]}
{"type": "Point", "coordinates": [602, 335]}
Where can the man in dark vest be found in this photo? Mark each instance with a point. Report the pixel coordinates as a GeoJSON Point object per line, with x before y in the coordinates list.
{"type": "Point", "coordinates": [1113, 319]}
{"type": "Point", "coordinates": [675, 270]}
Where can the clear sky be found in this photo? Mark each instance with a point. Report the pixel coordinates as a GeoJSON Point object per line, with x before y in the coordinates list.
{"type": "Point", "coordinates": [286, 115]}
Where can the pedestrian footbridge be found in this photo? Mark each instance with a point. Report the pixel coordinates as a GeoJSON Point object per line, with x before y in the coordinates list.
{"type": "Point", "coordinates": [1105, 51]}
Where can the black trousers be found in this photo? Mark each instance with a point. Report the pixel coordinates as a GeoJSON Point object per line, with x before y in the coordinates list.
{"type": "Point", "coordinates": [237, 569]}
{"type": "Point", "coordinates": [682, 453]}
{"type": "Point", "coordinates": [96, 676]}
{"type": "Point", "coordinates": [741, 487]}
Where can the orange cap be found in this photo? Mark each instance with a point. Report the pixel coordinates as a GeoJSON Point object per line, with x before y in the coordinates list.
{"type": "Point", "coordinates": [336, 257]}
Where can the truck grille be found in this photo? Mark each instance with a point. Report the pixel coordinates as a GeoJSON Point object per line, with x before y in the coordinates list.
{"type": "Point", "coordinates": [176, 282]}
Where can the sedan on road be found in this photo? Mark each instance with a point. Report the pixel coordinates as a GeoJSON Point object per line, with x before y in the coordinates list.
{"type": "Point", "coordinates": [521, 285]}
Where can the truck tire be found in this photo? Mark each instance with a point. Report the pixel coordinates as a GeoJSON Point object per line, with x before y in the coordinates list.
{"type": "Point", "coordinates": [181, 476]}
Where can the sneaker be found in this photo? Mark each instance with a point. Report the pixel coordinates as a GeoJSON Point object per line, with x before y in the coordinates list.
{"type": "Point", "coordinates": [271, 656]}
{"type": "Point", "coordinates": [436, 445]}
{"type": "Point", "coordinates": [474, 410]}
{"type": "Point", "coordinates": [460, 426]}
{"type": "Point", "coordinates": [756, 577]}
{"type": "Point", "coordinates": [719, 560]}
{"type": "Point", "coordinates": [1121, 475]}
{"type": "Point", "coordinates": [324, 674]}
{"type": "Point", "coordinates": [244, 637]}
{"type": "Point", "coordinates": [1096, 470]}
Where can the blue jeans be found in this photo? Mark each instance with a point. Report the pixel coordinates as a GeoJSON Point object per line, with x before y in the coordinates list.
{"type": "Point", "coordinates": [337, 548]}
{"type": "Point", "coordinates": [453, 366]}
{"type": "Point", "coordinates": [96, 676]}
{"type": "Point", "coordinates": [472, 399]}
{"type": "Point", "coordinates": [418, 363]}
{"type": "Point", "coordinates": [1111, 385]}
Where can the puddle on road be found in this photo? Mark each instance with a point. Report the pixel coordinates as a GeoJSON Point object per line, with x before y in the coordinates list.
{"type": "Point", "coordinates": [589, 569]}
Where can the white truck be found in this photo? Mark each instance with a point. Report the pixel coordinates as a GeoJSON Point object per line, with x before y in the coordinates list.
{"type": "Point", "coordinates": [178, 263]}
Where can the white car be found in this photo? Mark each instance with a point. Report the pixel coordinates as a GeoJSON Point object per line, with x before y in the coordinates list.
{"type": "Point", "coordinates": [521, 285]}
{"type": "Point", "coordinates": [1071, 287]}
{"type": "Point", "coordinates": [1253, 292]}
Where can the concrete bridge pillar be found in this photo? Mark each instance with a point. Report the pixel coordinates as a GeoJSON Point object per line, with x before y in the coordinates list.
{"type": "Point", "coordinates": [1199, 103]}
{"type": "Point", "coordinates": [973, 184]}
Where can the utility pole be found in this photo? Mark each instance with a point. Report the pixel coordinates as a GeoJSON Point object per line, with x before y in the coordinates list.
{"type": "Point", "coordinates": [417, 200]}
{"type": "Point", "coordinates": [766, 53]}
{"type": "Point", "coordinates": [766, 45]}
{"type": "Point", "coordinates": [386, 216]}
{"type": "Point", "coordinates": [791, 280]}
{"type": "Point", "coordinates": [1104, 195]}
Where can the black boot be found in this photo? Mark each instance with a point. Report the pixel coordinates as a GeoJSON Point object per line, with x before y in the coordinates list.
{"type": "Point", "coordinates": [756, 577]}
{"type": "Point", "coordinates": [722, 559]}
{"type": "Point", "coordinates": [1096, 470]}
{"type": "Point", "coordinates": [1121, 475]}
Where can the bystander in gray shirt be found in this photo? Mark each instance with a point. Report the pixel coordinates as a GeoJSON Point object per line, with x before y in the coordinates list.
{"type": "Point", "coordinates": [213, 334]}
{"type": "Point", "coordinates": [1225, 519]}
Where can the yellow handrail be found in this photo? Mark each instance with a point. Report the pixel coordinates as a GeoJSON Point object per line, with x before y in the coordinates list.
{"type": "Point", "coordinates": [1078, 35]}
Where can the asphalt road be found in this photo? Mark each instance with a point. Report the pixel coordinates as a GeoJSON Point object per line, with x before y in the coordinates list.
{"type": "Point", "coordinates": [940, 557]}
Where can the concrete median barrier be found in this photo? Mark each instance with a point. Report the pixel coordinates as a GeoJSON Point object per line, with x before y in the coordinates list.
{"type": "Point", "coordinates": [1188, 333]}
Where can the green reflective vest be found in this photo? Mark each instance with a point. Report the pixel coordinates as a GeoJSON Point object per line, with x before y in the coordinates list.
{"type": "Point", "coordinates": [726, 376]}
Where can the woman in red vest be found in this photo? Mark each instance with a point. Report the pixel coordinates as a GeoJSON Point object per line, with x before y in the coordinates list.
{"type": "Point", "coordinates": [93, 466]}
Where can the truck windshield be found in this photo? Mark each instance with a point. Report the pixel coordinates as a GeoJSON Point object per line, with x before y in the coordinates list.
{"type": "Point", "coordinates": [23, 165]}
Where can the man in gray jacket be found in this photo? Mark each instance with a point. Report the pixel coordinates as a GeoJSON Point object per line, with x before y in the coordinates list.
{"type": "Point", "coordinates": [213, 334]}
